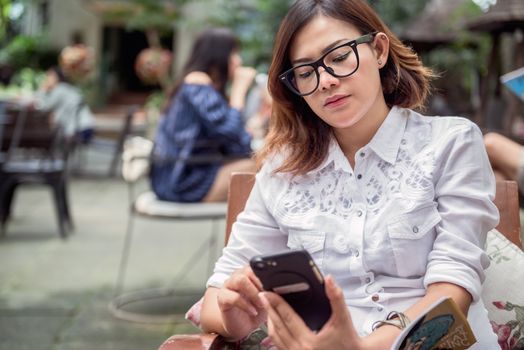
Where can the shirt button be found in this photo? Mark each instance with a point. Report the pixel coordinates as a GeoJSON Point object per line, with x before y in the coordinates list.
{"type": "Point", "coordinates": [380, 308]}
{"type": "Point", "coordinates": [350, 175]}
{"type": "Point", "coordinates": [341, 244]}
{"type": "Point", "coordinates": [359, 213]}
{"type": "Point", "coordinates": [403, 141]}
{"type": "Point", "coordinates": [415, 229]}
{"type": "Point", "coordinates": [359, 176]}
{"type": "Point", "coordinates": [375, 297]}
{"type": "Point", "coordinates": [368, 279]}
{"type": "Point", "coordinates": [356, 253]}
{"type": "Point", "coordinates": [362, 154]}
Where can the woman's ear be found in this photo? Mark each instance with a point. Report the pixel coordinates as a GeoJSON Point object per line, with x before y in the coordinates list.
{"type": "Point", "coordinates": [381, 49]}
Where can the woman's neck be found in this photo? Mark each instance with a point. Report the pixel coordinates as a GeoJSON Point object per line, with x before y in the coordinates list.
{"type": "Point", "coordinates": [353, 138]}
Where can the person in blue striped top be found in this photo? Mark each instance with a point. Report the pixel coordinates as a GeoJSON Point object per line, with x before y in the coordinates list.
{"type": "Point", "coordinates": [202, 125]}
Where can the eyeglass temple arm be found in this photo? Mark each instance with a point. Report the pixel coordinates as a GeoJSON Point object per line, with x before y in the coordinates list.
{"type": "Point", "coordinates": [366, 38]}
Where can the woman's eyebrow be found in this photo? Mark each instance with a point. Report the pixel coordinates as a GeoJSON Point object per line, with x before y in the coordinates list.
{"type": "Point", "coordinates": [326, 49]}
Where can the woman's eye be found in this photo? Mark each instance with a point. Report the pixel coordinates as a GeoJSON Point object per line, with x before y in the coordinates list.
{"type": "Point", "coordinates": [341, 58]}
{"type": "Point", "coordinates": [304, 74]}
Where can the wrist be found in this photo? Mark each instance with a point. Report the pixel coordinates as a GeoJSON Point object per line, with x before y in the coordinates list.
{"type": "Point", "coordinates": [237, 101]}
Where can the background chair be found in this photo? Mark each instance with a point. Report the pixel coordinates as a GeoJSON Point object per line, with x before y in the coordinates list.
{"type": "Point", "coordinates": [37, 152]}
{"type": "Point", "coordinates": [107, 140]}
{"type": "Point", "coordinates": [135, 165]}
{"type": "Point", "coordinates": [241, 184]}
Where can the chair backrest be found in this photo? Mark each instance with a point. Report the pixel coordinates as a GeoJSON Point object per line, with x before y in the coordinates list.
{"type": "Point", "coordinates": [506, 200]}
{"type": "Point", "coordinates": [240, 187]}
{"type": "Point", "coordinates": [29, 129]}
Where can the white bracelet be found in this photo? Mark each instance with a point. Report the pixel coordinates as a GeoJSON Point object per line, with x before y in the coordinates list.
{"type": "Point", "coordinates": [394, 318]}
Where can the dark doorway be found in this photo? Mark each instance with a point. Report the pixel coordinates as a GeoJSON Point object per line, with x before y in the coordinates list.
{"type": "Point", "coordinates": [120, 49]}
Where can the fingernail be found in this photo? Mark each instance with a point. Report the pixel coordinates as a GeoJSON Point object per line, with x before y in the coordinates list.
{"type": "Point", "coordinates": [263, 299]}
{"type": "Point", "coordinates": [252, 311]}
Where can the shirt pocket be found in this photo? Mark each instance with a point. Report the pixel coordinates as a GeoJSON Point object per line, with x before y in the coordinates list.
{"type": "Point", "coordinates": [312, 241]}
{"type": "Point", "coordinates": [412, 236]}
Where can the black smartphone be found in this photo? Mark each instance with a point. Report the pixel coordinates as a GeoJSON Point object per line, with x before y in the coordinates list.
{"type": "Point", "coordinates": [294, 276]}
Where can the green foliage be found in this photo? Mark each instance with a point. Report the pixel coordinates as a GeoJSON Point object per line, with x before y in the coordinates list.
{"type": "Point", "coordinates": [28, 79]}
{"type": "Point", "coordinates": [397, 13]}
{"type": "Point", "coordinates": [148, 14]}
{"type": "Point", "coordinates": [255, 22]}
{"type": "Point", "coordinates": [28, 52]}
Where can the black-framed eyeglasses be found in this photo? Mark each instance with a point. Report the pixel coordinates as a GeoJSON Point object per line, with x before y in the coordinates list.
{"type": "Point", "coordinates": [340, 61]}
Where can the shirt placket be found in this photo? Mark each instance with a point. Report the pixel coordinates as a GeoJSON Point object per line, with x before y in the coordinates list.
{"type": "Point", "coordinates": [358, 219]}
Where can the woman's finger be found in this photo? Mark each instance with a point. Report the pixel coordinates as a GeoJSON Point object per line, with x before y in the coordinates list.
{"type": "Point", "coordinates": [274, 335]}
{"type": "Point", "coordinates": [295, 328]}
{"type": "Point", "coordinates": [243, 284]}
{"type": "Point", "coordinates": [227, 299]}
{"type": "Point", "coordinates": [277, 328]}
{"type": "Point", "coordinates": [339, 312]}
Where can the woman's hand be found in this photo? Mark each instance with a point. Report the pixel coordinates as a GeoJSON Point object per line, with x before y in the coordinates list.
{"type": "Point", "coordinates": [238, 301]}
{"type": "Point", "coordinates": [242, 79]}
{"type": "Point", "coordinates": [288, 331]}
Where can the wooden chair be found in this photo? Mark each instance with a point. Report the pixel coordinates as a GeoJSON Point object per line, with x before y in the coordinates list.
{"type": "Point", "coordinates": [36, 152]}
{"type": "Point", "coordinates": [506, 200]}
{"type": "Point", "coordinates": [146, 205]}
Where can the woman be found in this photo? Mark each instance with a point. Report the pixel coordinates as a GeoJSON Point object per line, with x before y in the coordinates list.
{"type": "Point", "coordinates": [200, 122]}
{"type": "Point", "coordinates": [67, 103]}
{"type": "Point", "coordinates": [392, 205]}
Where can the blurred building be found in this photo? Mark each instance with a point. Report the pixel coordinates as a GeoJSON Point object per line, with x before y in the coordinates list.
{"type": "Point", "coordinates": [114, 46]}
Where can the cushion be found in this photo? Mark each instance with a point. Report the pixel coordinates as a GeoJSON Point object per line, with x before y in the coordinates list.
{"type": "Point", "coordinates": [135, 158]}
{"type": "Point", "coordinates": [148, 204]}
{"type": "Point", "coordinates": [503, 293]}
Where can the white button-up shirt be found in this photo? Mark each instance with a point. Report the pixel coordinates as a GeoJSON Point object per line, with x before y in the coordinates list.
{"type": "Point", "coordinates": [415, 210]}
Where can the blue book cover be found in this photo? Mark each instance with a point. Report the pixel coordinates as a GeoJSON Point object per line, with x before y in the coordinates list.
{"type": "Point", "coordinates": [515, 82]}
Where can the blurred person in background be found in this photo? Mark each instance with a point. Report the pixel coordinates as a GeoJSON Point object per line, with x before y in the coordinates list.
{"type": "Point", "coordinates": [67, 104]}
{"type": "Point", "coordinates": [201, 120]}
{"type": "Point", "coordinates": [506, 157]}
{"type": "Point", "coordinates": [257, 123]}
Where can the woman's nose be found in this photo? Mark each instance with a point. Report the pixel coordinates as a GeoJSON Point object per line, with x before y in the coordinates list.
{"type": "Point", "coordinates": [326, 80]}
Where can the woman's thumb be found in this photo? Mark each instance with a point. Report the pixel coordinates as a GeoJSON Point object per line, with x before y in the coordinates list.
{"type": "Point", "coordinates": [335, 295]}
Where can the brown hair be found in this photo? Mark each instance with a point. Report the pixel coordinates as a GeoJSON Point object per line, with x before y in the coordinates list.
{"type": "Point", "coordinates": [210, 54]}
{"type": "Point", "coordinates": [294, 127]}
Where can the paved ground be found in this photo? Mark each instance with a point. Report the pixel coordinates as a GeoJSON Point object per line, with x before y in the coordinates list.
{"type": "Point", "coordinates": [54, 293]}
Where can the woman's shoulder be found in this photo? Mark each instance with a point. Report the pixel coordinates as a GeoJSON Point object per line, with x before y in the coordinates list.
{"type": "Point", "coordinates": [442, 125]}
{"type": "Point", "coordinates": [194, 90]}
{"type": "Point", "coordinates": [198, 78]}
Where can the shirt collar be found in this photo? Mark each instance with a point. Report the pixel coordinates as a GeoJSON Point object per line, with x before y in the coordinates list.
{"type": "Point", "coordinates": [386, 141]}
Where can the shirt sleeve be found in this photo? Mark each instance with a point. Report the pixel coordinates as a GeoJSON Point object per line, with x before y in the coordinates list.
{"type": "Point", "coordinates": [464, 191]}
{"type": "Point", "coordinates": [255, 232]}
{"type": "Point", "coordinates": [47, 100]}
{"type": "Point", "coordinates": [219, 119]}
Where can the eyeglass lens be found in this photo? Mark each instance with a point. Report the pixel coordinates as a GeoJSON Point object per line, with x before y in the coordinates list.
{"type": "Point", "coordinates": [342, 61]}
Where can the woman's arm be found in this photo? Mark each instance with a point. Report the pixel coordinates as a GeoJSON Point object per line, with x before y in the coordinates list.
{"type": "Point", "coordinates": [384, 336]}
{"type": "Point", "coordinates": [231, 304]}
{"type": "Point", "coordinates": [464, 191]}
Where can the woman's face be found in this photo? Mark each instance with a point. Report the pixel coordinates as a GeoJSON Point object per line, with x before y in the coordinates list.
{"type": "Point", "coordinates": [340, 102]}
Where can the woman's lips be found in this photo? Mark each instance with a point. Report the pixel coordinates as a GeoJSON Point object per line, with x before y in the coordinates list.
{"type": "Point", "coordinates": [335, 101]}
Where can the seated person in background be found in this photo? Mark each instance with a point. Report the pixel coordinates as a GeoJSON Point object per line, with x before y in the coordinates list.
{"type": "Point", "coordinates": [506, 157]}
{"type": "Point", "coordinates": [393, 206]}
{"type": "Point", "coordinates": [200, 121]}
{"type": "Point", "coordinates": [67, 104]}
{"type": "Point", "coordinates": [258, 122]}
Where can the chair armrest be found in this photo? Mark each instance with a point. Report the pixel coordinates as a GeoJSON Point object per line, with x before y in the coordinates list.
{"type": "Point", "coordinates": [203, 341]}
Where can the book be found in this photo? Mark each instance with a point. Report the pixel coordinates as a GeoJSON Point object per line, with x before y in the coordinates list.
{"type": "Point", "coordinates": [515, 82]}
{"type": "Point", "coordinates": [442, 326]}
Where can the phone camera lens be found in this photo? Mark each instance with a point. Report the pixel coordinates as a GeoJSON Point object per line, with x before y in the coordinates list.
{"type": "Point", "coordinates": [260, 265]}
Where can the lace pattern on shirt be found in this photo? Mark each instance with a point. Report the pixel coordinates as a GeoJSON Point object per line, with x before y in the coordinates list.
{"type": "Point", "coordinates": [329, 191]}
